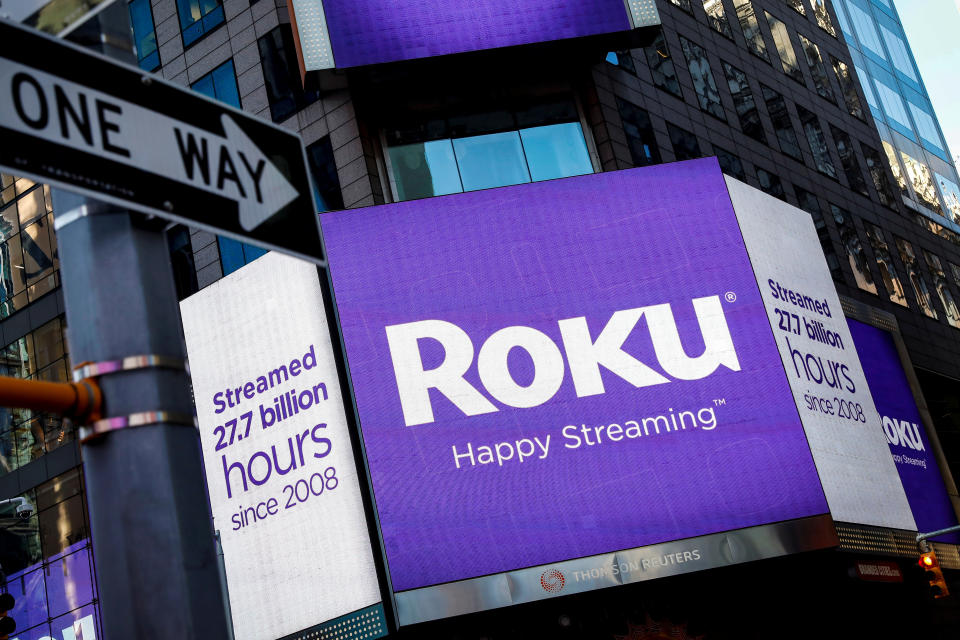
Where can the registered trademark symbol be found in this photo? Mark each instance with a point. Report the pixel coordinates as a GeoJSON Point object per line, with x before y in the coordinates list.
{"type": "Point", "coordinates": [730, 296]}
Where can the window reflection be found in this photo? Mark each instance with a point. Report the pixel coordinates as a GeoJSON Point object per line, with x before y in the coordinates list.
{"type": "Point", "coordinates": [922, 294]}
{"type": "Point", "coordinates": [717, 17]}
{"type": "Point", "coordinates": [817, 69]}
{"type": "Point", "coordinates": [640, 137]}
{"type": "Point", "coordinates": [751, 29]}
{"type": "Point", "coordinates": [856, 256]}
{"type": "Point", "coordinates": [424, 169]}
{"type": "Point", "coordinates": [848, 85]}
{"type": "Point", "coordinates": [702, 76]}
{"type": "Point", "coordinates": [661, 66]}
{"type": "Point", "coordinates": [492, 160]}
{"type": "Point", "coordinates": [744, 102]}
{"type": "Point", "coordinates": [29, 262]}
{"type": "Point", "coordinates": [879, 176]}
{"type": "Point", "coordinates": [788, 57]}
{"type": "Point", "coordinates": [683, 4]}
{"type": "Point", "coordinates": [942, 288]}
{"type": "Point", "coordinates": [685, 145]}
{"type": "Point", "coordinates": [951, 196]}
{"type": "Point", "coordinates": [771, 184]}
{"type": "Point", "coordinates": [555, 151]}
{"type": "Point", "coordinates": [810, 204]}
{"type": "Point", "coordinates": [144, 34]}
{"type": "Point", "coordinates": [797, 5]}
{"type": "Point", "coordinates": [730, 164]}
{"type": "Point", "coordinates": [823, 16]}
{"type": "Point", "coordinates": [922, 182]}
{"type": "Point", "coordinates": [848, 159]}
{"type": "Point", "coordinates": [782, 124]}
{"type": "Point", "coordinates": [895, 167]}
{"type": "Point", "coordinates": [888, 272]}
{"type": "Point", "coordinates": [817, 141]}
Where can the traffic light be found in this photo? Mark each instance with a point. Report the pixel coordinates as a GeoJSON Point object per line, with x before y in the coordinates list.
{"type": "Point", "coordinates": [7, 624]}
{"type": "Point", "coordinates": [934, 575]}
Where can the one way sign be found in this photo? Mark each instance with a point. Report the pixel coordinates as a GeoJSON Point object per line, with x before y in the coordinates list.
{"type": "Point", "coordinates": [88, 124]}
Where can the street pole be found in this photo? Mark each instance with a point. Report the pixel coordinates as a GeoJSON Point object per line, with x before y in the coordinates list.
{"type": "Point", "coordinates": [153, 540]}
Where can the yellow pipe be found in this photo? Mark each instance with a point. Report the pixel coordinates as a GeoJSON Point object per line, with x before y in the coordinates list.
{"type": "Point", "coordinates": [81, 401]}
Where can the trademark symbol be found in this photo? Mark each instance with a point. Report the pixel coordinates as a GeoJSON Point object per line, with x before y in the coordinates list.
{"type": "Point", "coordinates": [719, 402]}
{"type": "Point", "coordinates": [730, 296]}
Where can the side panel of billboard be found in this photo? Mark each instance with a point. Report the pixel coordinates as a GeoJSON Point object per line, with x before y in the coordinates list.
{"type": "Point", "coordinates": [562, 370]}
{"type": "Point", "coordinates": [904, 429]}
{"type": "Point", "coordinates": [365, 32]}
{"type": "Point", "coordinates": [280, 468]}
{"type": "Point", "coordinates": [841, 421]}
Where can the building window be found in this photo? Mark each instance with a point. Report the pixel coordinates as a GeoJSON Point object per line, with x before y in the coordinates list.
{"type": "Point", "coordinates": [782, 124]}
{"type": "Point", "coordinates": [895, 167]}
{"type": "Point", "coordinates": [797, 5]}
{"type": "Point", "coordinates": [717, 17]}
{"type": "Point", "coordinates": [848, 159]}
{"type": "Point", "coordinates": [898, 53]}
{"type": "Point", "coordinates": [235, 254]}
{"type": "Point", "coordinates": [685, 145]}
{"type": "Point", "coordinates": [771, 184]}
{"type": "Point", "coordinates": [751, 29]}
{"type": "Point", "coordinates": [661, 66]}
{"type": "Point", "coordinates": [879, 177]}
{"type": "Point", "coordinates": [220, 84]}
{"type": "Point", "coordinates": [26, 435]}
{"type": "Point", "coordinates": [925, 126]}
{"type": "Point", "coordinates": [922, 182]}
{"type": "Point", "coordinates": [281, 72]}
{"type": "Point", "coordinates": [323, 167]}
{"type": "Point", "coordinates": [943, 289]}
{"type": "Point", "coordinates": [702, 76]}
{"type": "Point", "coordinates": [622, 59]}
{"type": "Point", "coordinates": [29, 264]}
{"type": "Point", "coordinates": [810, 204]}
{"type": "Point", "coordinates": [955, 273]}
{"type": "Point", "coordinates": [817, 69]}
{"type": "Point", "coordinates": [909, 259]}
{"type": "Point", "coordinates": [730, 164]}
{"type": "Point", "coordinates": [144, 34]}
{"type": "Point", "coordinates": [788, 56]}
{"type": "Point", "coordinates": [683, 4]}
{"type": "Point", "coordinates": [744, 102]}
{"type": "Point", "coordinates": [888, 272]}
{"type": "Point", "coordinates": [823, 16]}
{"type": "Point", "coordinates": [640, 136]}
{"type": "Point", "coordinates": [466, 152]}
{"type": "Point", "coordinates": [47, 561]}
{"type": "Point", "coordinates": [818, 142]}
{"type": "Point", "coordinates": [198, 17]}
{"type": "Point", "coordinates": [848, 84]}
{"type": "Point", "coordinates": [850, 240]}
{"type": "Point", "coordinates": [951, 196]}
{"type": "Point", "coordinates": [181, 260]}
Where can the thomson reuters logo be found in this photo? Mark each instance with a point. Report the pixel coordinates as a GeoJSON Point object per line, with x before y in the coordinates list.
{"type": "Point", "coordinates": [552, 581]}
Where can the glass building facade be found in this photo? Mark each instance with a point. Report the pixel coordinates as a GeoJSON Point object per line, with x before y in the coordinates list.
{"type": "Point", "coordinates": [913, 142]}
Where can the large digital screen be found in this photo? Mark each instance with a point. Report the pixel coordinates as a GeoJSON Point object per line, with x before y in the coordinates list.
{"type": "Point", "coordinates": [904, 430]}
{"type": "Point", "coordinates": [365, 32]}
{"type": "Point", "coordinates": [280, 467]}
{"type": "Point", "coordinates": [565, 369]}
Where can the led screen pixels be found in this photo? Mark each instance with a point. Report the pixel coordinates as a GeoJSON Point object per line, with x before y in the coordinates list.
{"type": "Point", "coordinates": [904, 429]}
{"type": "Point", "coordinates": [364, 32]}
{"type": "Point", "coordinates": [280, 467]}
{"type": "Point", "coordinates": [570, 448]}
{"type": "Point", "coordinates": [858, 475]}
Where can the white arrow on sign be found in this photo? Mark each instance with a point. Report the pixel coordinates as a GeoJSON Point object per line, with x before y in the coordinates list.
{"type": "Point", "coordinates": [72, 115]}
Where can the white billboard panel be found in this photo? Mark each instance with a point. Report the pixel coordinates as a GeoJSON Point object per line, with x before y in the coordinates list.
{"type": "Point", "coordinates": [280, 468]}
{"type": "Point", "coordinates": [858, 474]}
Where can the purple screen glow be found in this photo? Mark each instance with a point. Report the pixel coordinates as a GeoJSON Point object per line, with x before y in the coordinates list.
{"type": "Point", "coordinates": [576, 250]}
{"type": "Point", "coordinates": [904, 430]}
{"type": "Point", "coordinates": [366, 32]}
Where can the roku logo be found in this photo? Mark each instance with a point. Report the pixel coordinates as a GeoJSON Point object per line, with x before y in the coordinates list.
{"type": "Point", "coordinates": [584, 356]}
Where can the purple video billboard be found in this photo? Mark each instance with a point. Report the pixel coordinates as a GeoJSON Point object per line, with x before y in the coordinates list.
{"type": "Point", "coordinates": [564, 369]}
{"type": "Point", "coordinates": [364, 32]}
{"type": "Point", "coordinates": [904, 430]}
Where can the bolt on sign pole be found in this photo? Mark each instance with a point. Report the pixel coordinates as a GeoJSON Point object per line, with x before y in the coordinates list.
{"type": "Point", "coordinates": [150, 520]}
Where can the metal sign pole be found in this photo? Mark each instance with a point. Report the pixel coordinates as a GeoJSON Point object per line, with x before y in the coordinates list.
{"type": "Point", "coordinates": [150, 520]}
